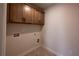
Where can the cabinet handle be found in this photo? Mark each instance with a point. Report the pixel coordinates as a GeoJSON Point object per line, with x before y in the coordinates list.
{"type": "Point", "coordinates": [23, 19]}
{"type": "Point", "coordinates": [39, 21]}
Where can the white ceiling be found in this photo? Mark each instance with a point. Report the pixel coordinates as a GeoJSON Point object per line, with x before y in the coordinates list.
{"type": "Point", "coordinates": [44, 5]}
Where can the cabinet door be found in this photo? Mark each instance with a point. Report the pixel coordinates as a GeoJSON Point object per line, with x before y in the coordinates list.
{"type": "Point", "coordinates": [41, 18]}
{"type": "Point", "coordinates": [27, 14]}
{"type": "Point", "coordinates": [38, 17]}
{"type": "Point", "coordinates": [35, 17]}
{"type": "Point", "coordinates": [16, 12]}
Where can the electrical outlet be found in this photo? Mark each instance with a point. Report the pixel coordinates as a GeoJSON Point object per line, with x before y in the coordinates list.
{"type": "Point", "coordinates": [34, 34]}
{"type": "Point", "coordinates": [16, 35]}
{"type": "Point", "coordinates": [37, 40]}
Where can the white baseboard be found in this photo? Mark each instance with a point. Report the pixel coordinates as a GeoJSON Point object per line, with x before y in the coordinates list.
{"type": "Point", "coordinates": [28, 51]}
{"type": "Point", "coordinates": [54, 52]}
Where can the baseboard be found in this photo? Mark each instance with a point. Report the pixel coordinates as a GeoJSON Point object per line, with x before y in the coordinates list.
{"type": "Point", "coordinates": [52, 51]}
{"type": "Point", "coordinates": [28, 51]}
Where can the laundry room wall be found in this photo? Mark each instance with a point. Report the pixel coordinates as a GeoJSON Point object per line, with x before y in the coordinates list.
{"type": "Point", "coordinates": [27, 39]}
{"type": "Point", "coordinates": [61, 29]}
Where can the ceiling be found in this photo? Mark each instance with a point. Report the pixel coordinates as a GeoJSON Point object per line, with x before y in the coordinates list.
{"type": "Point", "coordinates": [44, 5]}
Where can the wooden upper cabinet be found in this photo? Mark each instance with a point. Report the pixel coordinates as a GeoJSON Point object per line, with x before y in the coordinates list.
{"type": "Point", "coordinates": [24, 13]}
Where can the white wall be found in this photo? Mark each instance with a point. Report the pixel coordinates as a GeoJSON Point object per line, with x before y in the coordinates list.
{"type": "Point", "coordinates": [61, 30]}
{"type": "Point", "coordinates": [26, 40]}
{"type": "Point", "coordinates": [2, 28]}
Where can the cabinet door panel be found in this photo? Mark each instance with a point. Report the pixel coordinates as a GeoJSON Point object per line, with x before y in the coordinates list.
{"type": "Point", "coordinates": [27, 13]}
{"type": "Point", "coordinates": [22, 13]}
{"type": "Point", "coordinates": [41, 16]}
{"type": "Point", "coordinates": [33, 15]}
{"type": "Point", "coordinates": [16, 12]}
{"type": "Point", "coordinates": [36, 17]}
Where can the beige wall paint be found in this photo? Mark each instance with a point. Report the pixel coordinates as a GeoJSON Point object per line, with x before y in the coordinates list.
{"type": "Point", "coordinates": [3, 8]}
{"type": "Point", "coordinates": [61, 29]}
{"type": "Point", "coordinates": [26, 40]}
